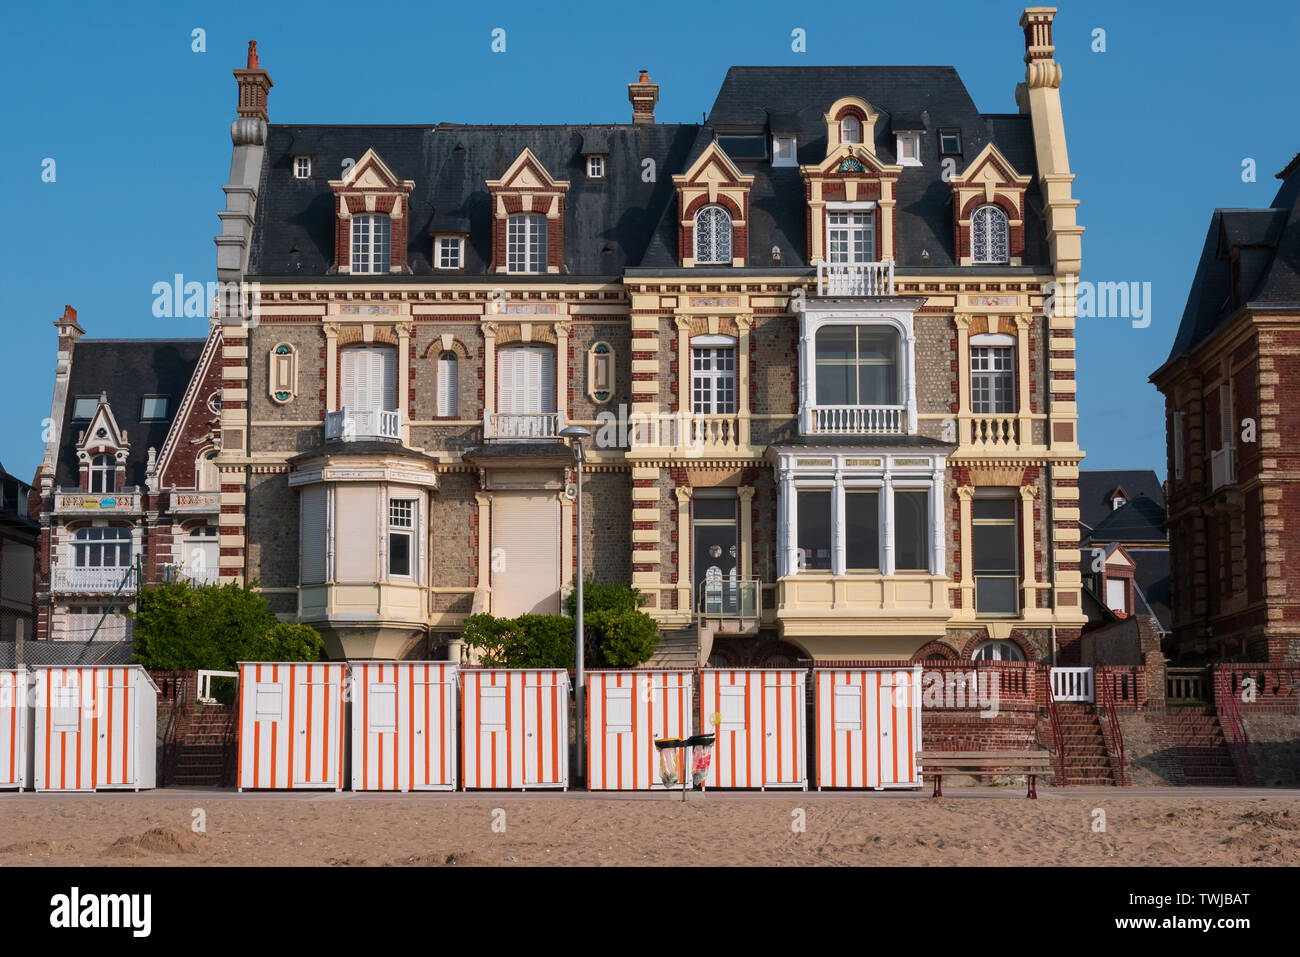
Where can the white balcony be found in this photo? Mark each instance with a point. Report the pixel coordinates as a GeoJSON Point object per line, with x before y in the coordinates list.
{"type": "Point", "coordinates": [355, 425]}
{"type": "Point", "coordinates": [523, 426]}
{"type": "Point", "coordinates": [993, 433]}
{"type": "Point", "coordinates": [1223, 467]}
{"type": "Point", "coordinates": [858, 419]}
{"type": "Point", "coordinates": [693, 434]}
{"type": "Point", "coordinates": [855, 279]}
{"type": "Point", "coordinates": [74, 502]}
{"type": "Point", "coordinates": [92, 580]}
{"type": "Point", "coordinates": [193, 573]}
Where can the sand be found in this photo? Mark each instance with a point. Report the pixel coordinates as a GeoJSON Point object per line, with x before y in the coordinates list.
{"type": "Point", "coordinates": [973, 826]}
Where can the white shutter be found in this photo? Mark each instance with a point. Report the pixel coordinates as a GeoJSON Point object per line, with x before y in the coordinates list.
{"type": "Point", "coordinates": [385, 385]}
{"type": "Point", "coordinates": [311, 535]}
{"type": "Point", "coordinates": [1115, 594]}
{"type": "Point", "coordinates": [507, 384]}
{"type": "Point", "coordinates": [348, 394]}
{"type": "Point", "coordinates": [546, 380]}
{"type": "Point", "coordinates": [525, 553]}
{"type": "Point", "coordinates": [369, 378]}
{"type": "Point", "coordinates": [447, 386]}
{"type": "Point", "coordinates": [355, 517]}
{"type": "Point", "coordinates": [526, 380]}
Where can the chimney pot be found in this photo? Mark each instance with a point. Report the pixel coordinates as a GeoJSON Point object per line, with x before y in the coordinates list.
{"type": "Point", "coordinates": [252, 54]}
{"type": "Point", "coordinates": [254, 84]}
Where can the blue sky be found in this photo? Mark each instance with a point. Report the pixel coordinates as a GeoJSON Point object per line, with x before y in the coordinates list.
{"type": "Point", "coordinates": [138, 126]}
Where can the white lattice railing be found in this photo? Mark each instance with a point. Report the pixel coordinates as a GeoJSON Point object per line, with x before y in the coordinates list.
{"type": "Point", "coordinates": [522, 425]}
{"type": "Point", "coordinates": [73, 579]}
{"type": "Point", "coordinates": [350, 425]}
{"type": "Point", "coordinates": [859, 419]}
{"type": "Point", "coordinates": [855, 279]}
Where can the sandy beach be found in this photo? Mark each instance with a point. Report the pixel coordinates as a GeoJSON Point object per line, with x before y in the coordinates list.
{"type": "Point", "coordinates": [972, 826]}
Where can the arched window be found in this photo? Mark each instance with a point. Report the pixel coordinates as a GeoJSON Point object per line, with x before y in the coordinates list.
{"type": "Point", "coordinates": [103, 473]}
{"type": "Point", "coordinates": [447, 385]}
{"type": "Point", "coordinates": [713, 236]}
{"type": "Point", "coordinates": [850, 129]}
{"type": "Point", "coordinates": [988, 235]}
{"type": "Point", "coordinates": [998, 651]}
{"type": "Point", "coordinates": [371, 243]}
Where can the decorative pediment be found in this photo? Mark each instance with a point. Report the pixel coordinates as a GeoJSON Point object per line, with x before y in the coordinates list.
{"type": "Point", "coordinates": [102, 436]}
{"type": "Point", "coordinates": [990, 180]}
{"type": "Point", "coordinates": [528, 188]}
{"type": "Point", "coordinates": [992, 172]}
{"type": "Point", "coordinates": [369, 187]}
{"type": "Point", "coordinates": [371, 173]}
{"type": "Point", "coordinates": [851, 176]}
{"type": "Point", "coordinates": [714, 180]}
{"type": "Point", "coordinates": [714, 168]}
{"type": "Point", "coordinates": [851, 160]}
{"type": "Point", "coordinates": [1119, 559]}
{"type": "Point", "coordinates": [527, 172]}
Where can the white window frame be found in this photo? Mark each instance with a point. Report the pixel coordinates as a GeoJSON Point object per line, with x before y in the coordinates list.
{"type": "Point", "coordinates": [596, 166]}
{"type": "Point", "coordinates": [989, 228]}
{"type": "Point", "coordinates": [857, 223]}
{"type": "Point", "coordinates": [716, 252]}
{"type": "Point", "coordinates": [785, 151]}
{"type": "Point", "coordinates": [403, 522]}
{"type": "Point", "coordinates": [1016, 572]}
{"type": "Point", "coordinates": [993, 367]}
{"type": "Point", "coordinates": [904, 140]}
{"type": "Point", "coordinates": [998, 650]}
{"type": "Point", "coordinates": [103, 472]}
{"type": "Point", "coordinates": [954, 152]}
{"type": "Point", "coordinates": [371, 246]}
{"type": "Point", "coordinates": [454, 244]}
{"type": "Point", "coordinates": [526, 243]}
{"type": "Point", "coordinates": [850, 118]}
{"type": "Point", "coordinates": [713, 375]}
{"type": "Point", "coordinates": [302, 167]}
{"type": "Point", "coordinates": [96, 542]}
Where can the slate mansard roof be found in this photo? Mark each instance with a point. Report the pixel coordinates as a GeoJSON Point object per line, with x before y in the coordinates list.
{"type": "Point", "coordinates": [1266, 245]}
{"type": "Point", "coordinates": [623, 222]}
{"type": "Point", "coordinates": [127, 370]}
{"type": "Point", "coordinates": [1097, 486]}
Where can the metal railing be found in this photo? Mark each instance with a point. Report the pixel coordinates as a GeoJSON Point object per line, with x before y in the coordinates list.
{"type": "Point", "coordinates": [1058, 736]}
{"type": "Point", "coordinates": [730, 598]}
{"type": "Point", "coordinates": [1112, 733]}
{"type": "Point", "coordinates": [1072, 684]}
{"type": "Point", "coordinates": [522, 425]}
{"type": "Point", "coordinates": [92, 580]}
{"type": "Point", "coordinates": [855, 279]}
{"type": "Point", "coordinates": [194, 574]}
{"type": "Point", "coordinates": [1223, 470]}
{"type": "Point", "coordinates": [351, 425]}
{"type": "Point", "coordinates": [859, 419]}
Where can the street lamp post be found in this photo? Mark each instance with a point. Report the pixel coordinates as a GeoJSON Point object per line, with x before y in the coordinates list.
{"type": "Point", "coordinates": [576, 433]}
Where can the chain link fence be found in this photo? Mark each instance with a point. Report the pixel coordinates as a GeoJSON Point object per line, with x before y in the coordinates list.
{"type": "Point", "coordinates": [66, 653]}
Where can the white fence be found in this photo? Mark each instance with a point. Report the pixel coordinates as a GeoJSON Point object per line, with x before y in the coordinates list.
{"type": "Point", "coordinates": [1072, 684]}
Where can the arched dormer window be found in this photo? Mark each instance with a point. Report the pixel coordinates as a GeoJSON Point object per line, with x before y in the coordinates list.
{"type": "Point", "coordinates": [713, 236]}
{"type": "Point", "coordinates": [850, 129]}
{"type": "Point", "coordinates": [371, 243]}
{"type": "Point", "coordinates": [989, 240]}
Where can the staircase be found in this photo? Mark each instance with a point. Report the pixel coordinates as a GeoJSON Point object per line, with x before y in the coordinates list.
{"type": "Point", "coordinates": [677, 648]}
{"type": "Point", "coordinates": [203, 748]}
{"type": "Point", "coordinates": [1086, 761]}
{"type": "Point", "coordinates": [1201, 748]}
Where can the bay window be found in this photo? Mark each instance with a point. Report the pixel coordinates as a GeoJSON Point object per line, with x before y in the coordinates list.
{"type": "Point", "coordinates": [857, 365]}
{"type": "Point", "coordinates": [101, 548]}
{"type": "Point", "coordinates": [814, 530]}
{"type": "Point", "coordinates": [401, 537]}
{"type": "Point", "coordinates": [911, 523]}
{"type": "Point", "coordinates": [862, 532]}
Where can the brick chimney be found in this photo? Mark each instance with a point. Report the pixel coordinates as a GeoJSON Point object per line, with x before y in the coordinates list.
{"type": "Point", "coordinates": [644, 95]}
{"type": "Point", "coordinates": [69, 330]}
{"type": "Point", "coordinates": [1037, 23]}
{"type": "Point", "coordinates": [254, 84]}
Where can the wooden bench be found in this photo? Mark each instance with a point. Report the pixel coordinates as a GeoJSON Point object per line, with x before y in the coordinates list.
{"type": "Point", "coordinates": [935, 764]}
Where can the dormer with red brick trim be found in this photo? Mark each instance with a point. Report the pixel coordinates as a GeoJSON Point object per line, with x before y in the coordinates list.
{"type": "Point", "coordinates": [371, 219]}
{"type": "Point", "coordinates": [851, 182]}
{"type": "Point", "coordinates": [527, 218]}
{"type": "Point", "coordinates": [101, 452]}
{"type": "Point", "coordinates": [989, 211]}
{"type": "Point", "coordinates": [713, 201]}
{"type": "Point", "coordinates": [839, 122]}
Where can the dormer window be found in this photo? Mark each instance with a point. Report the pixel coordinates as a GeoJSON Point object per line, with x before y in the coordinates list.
{"type": "Point", "coordinates": [784, 150]}
{"type": "Point", "coordinates": [949, 142]}
{"type": "Point", "coordinates": [103, 474]}
{"type": "Point", "coordinates": [909, 149]}
{"type": "Point", "coordinates": [989, 242]}
{"type": "Point", "coordinates": [153, 407]}
{"type": "Point", "coordinates": [371, 243]}
{"type": "Point", "coordinates": [449, 252]}
{"type": "Point", "coordinates": [526, 243]}
{"type": "Point", "coordinates": [595, 167]}
{"type": "Point", "coordinates": [84, 406]}
{"type": "Point", "coordinates": [302, 167]}
{"type": "Point", "coordinates": [713, 236]}
{"type": "Point", "coordinates": [850, 130]}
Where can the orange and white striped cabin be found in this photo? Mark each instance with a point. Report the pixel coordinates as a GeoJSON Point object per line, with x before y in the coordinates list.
{"type": "Point", "coordinates": [403, 725]}
{"type": "Point", "coordinates": [94, 727]}
{"type": "Point", "coordinates": [13, 728]}
{"type": "Point", "coordinates": [291, 725]}
{"type": "Point", "coordinates": [627, 711]}
{"type": "Point", "coordinates": [868, 727]}
{"type": "Point", "coordinates": [514, 728]}
{"type": "Point", "coordinates": [761, 731]}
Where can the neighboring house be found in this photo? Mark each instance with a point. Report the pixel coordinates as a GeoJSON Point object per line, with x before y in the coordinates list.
{"type": "Point", "coordinates": [1125, 545]}
{"type": "Point", "coordinates": [847, 429]}
{"type": "Point", "coordinates": [128, 483]}
{"type": "Point", "coordinates": [1233, 419]}
{"type": "Point", "coordinates": [17, 558]}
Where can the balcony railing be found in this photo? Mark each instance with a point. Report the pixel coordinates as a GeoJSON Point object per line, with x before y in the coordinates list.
{"type": "Point", "coordinates": [694, 433]}
{"type": "Point", "coordinates": [1223, 467]}
{"type": "Point", "coordinates": [73, 502]}
{"type": "Point", "coordinates": [859, 419]}
{"type": "Point", "coordinates": [523, 426]}
{"type": "Point", "coordinates": [93, 580]}
{"type": "Point", "coordinates": [192, 573]}
{"type": "Point", "coordinates": [730, 598]}
{"type": "Point", "coordinates": [994, 432]}
{"type": "Point", "coordinates": [1072, 684]}
{"type": "Point", "coordinates": [199, 502]}
{"type": "Point", "coordinates": [855, 279]}
{"type": "Point", "coordinates": [354, 425]}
